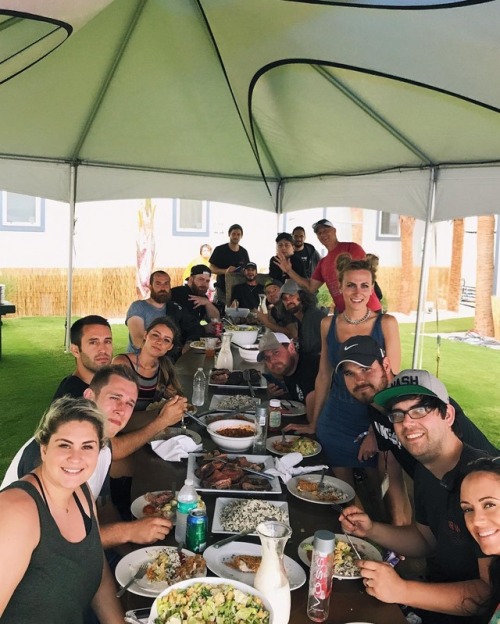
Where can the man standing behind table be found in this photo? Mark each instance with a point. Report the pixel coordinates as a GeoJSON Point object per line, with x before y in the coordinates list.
{"type": "Point", "coordinates": [143, 312]}
{"type": "Point", "coordinates": [247, 294]}
{"type": "Point", "coordinates": [298, 370]}
{"type": "Point", "coordinates": [193, 297]}
{"type": "Point", "coordinates": [285, 253]}
{"type": "Point", "coordinates": [419, 408]}
{"type": "Point", "coordinates": [306, 252]}
{"type": "Point", "coordinates": [228, 258]}
{"type": "Point", "coordinates": [326, 270]}
{"type": "Point", "coordinates": [302, 308]}
{"type": "Point", "coordinates": [92, 346]}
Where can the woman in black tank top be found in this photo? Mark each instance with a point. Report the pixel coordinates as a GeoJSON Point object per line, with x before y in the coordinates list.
{"type": "Point", "coordinates": [156, 372]}
{"type": "Point", "coordinates": [50, 551]}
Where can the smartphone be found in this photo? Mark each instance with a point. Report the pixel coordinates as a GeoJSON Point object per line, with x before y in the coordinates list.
{"type": "Point", "coordinates": [277, 382]}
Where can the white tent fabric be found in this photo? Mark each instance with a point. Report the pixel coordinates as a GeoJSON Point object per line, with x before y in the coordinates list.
{"type": "Point", "coordinates": [270, 103]}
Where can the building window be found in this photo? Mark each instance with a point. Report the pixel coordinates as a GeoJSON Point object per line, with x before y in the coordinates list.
{"type": "Point", "coordinates": [190, 217]}
{"type": "Point", "coordinates": [21, 213]}
{"type": "Point", "coordinates": [388, 226]}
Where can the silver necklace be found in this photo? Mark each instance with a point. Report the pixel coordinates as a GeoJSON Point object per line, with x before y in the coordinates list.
{"type": "Point", "coordinates": [356, 321]}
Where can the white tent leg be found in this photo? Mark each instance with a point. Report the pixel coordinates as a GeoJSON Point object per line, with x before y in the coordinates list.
{"type": "Point", "coordinates": [72, 203]}
{"type": "Point", "coordinates": [424, 273]}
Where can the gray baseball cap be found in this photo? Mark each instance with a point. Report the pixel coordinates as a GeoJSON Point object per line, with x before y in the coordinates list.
{"type": "Point", "coordinates": [412, 381]}
{"type": "Point", "coordinates": [270, 341]}
{"type": "Point", "coordinates": [289, 288]}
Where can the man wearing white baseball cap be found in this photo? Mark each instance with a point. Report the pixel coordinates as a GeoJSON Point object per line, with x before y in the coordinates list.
{"type": "Point", "coordinates": [418, 406]}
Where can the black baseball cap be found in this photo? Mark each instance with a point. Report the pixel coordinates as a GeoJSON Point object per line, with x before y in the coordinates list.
{"type": "Point", "coordinates": [361, 350]}
{"type": "Point", "coordinates": [200, 269]}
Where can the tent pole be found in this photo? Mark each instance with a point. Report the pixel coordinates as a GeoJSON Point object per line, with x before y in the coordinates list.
{"type": "Point", "coordinates": [72, 194]}
{"type": "Point", "coordinates": [424, 273]}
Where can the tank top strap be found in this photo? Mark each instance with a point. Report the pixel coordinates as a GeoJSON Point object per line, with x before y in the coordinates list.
{"type": "Point", "coordinates": [377, 332]}
{"type": "Point", "coordinates": [42, 491]}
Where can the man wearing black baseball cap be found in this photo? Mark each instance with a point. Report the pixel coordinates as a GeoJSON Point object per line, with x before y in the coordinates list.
{"type": "Point", "coordinates": [247, 294]}
{"type": "Point", "coordinates": [285, 252]}
{"type": "Point", "coordinates": [193, 296]}
{"type": "Point", "coordinates": [326, 269]}
{"type": "Point", "coordinates": [422, 418]}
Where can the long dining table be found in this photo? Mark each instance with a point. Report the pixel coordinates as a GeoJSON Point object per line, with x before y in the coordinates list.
{"type": "Point", "coordinates": [349, 601]}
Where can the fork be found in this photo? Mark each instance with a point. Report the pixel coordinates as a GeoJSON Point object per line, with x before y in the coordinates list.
{"type": "Point", "coordinates": [141, 571]}
{"type": "Point", "coordinates": [339, 509]}
{"type": "Point", "coordinates": [321, 484]}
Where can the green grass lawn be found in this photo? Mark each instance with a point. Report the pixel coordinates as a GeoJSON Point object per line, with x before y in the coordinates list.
{"type": "Point", "coordinates": [34, 363]}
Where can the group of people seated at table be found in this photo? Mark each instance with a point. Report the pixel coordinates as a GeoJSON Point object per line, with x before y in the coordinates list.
{"type": "Point", "coordinates": [366, 413]}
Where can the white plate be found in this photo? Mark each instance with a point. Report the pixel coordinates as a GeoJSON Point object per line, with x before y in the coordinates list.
{"type": "Point", "coordinates": [297, 409]}
{"type": "Point", "coordinates": [275, 485]}
{"type": "Point", "coordinates": [129, 565]}
{"type": "Point", "coordinates": [289, 438]}
{"type": "Point", "coordinates": [222, 502]}
{"type": "Point", "coordinates": [367, 550]}
{"type": "Point", "coordinates": [329, 481]}
{"type": "Point", "coordinates": [200, 345]}
{"type": "Point", "coordinates": [217, 398]}
{"type": "Point", "coordinates": [243, 386]}
{"type": "Point", "coordinates": [140, 502]}
{"type": "Point", "coordinates": [210, 580]}
{"type": "Point", "coordinates": [216, 558]}
{"type": "Point", "coordinates": [173, 432]}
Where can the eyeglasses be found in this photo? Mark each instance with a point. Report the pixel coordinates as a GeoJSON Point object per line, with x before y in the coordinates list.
{"type": "Point", "coordinates": [415, 413]}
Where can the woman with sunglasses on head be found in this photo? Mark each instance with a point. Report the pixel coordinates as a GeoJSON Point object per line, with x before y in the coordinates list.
{"type": "Point", "coordinates": [480, 503]}
{"type": "Point", "coordinates": [51, 557]}
{"type": "Point", "coordinates": [340, 421]}
{"type": "Point", "coordinates": [155, 369]}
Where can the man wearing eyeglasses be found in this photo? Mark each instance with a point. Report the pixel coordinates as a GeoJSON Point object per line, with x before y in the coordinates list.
{"type": "Point", "coordinates": [326, 269]}
{"type": "Point", "coordinates": [418, 408]}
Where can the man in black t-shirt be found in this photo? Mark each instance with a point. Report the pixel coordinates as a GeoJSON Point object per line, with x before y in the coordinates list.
{"type": "Point", "coordinates": [285, 251]}
{"type": "Point", "coordinates": [228, 258]}
{"type": "Point", "coordinates": [92, 346]}
{"type": "Point", "coordinates": [247, 294]}
{"type": "Point", "coordinates": [305, 252]}
{"type": "Point", "coordinates": [297, 370]}
{"type": "Point", "coordinates": [193, 296]}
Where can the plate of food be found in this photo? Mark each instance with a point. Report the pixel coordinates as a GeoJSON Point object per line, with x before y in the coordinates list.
{"type": "Point", "coordinates": [224, 472]}
{"type": "Point", "coordinates": [231, 402]}
{"type": "Point", "coordinates": [216, 416]}
{"type": "Point", "coordinates": [293, 444]}
{"type": "Point", "coordinates": [232, 515]}
{"type": "Point", "coordinates": [290, 409]}
{"type": "Point", "coordinates": [344, 558]}
{"type": "Point", "coordinates": [239, 561]}
{"type": "Point", "coordinates": [201, 344]}
{"type": "Point", "coordinates": [234, 379]}
{"type": "Point", "coordinates": [162, 504]}
{"type": "Point", "coordinates": [211, 599]}
{"type": "Point", "coordinates": [334, 490]}
{"type": "Point", "coordinates": [166, 566]}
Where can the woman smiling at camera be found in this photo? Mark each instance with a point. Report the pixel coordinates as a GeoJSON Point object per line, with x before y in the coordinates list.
{"type": "Point", "coordinates": [480, 502]}
{"type": "Point", "coordinates": [51, 556]}
{"type": "Point", "coordinates": [155, 369]}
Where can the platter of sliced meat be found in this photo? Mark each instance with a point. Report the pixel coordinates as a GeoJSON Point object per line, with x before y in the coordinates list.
{"type": "Point", "coordinates": [216, 471]}
{"type": "Point", "coordinates": [234, 379]}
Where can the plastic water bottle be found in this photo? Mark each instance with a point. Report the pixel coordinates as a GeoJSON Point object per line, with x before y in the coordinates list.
{"type": "Point", "coordinates": [187, 499]}
{"type": "Point", "coordinates": [199, 387]}
{"type": "Point", "coordinates": [321, 575]}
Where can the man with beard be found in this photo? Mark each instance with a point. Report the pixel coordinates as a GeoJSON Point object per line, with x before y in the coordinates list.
{"type": "Point", "coordinates": [228, 258]}
{"type": "Point", "coordinates": [301, 306]}
{"type": "Point", "coordinates": [419, 409]}
{"type": "Point", "coordinates": [276, 319]}
{"type": "Point", "coordinates": [285, 253]}
{"type": "Point", "coordinates": [306, 252]}
{"type": "Point", "coordinates": [92, 346]}
{"type": "Point", "coordinates": [297, 370]}
{"type": "Point", "coordinates": [142, 312]}
{"type": "Point", "coordinates": [193, 297]}
{"type": "Point", "coordinates": [247, 294]}
{"type": "Point", "coordinates": [367, 371]}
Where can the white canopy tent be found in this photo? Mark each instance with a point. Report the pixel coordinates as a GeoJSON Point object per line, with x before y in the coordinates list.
{"type": "Point", "coordinates": [276, 104]}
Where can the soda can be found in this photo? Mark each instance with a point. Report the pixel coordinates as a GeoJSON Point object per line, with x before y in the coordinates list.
{"type": "Point", "coordinates": [196, 530]}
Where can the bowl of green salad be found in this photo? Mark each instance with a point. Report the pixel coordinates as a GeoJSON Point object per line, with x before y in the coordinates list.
{"type": "Point", "coordinates": [211, 599]}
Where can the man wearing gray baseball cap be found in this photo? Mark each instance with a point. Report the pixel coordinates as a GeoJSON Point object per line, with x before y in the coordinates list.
{"type": "Point", "coordinates": [418, 407]}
